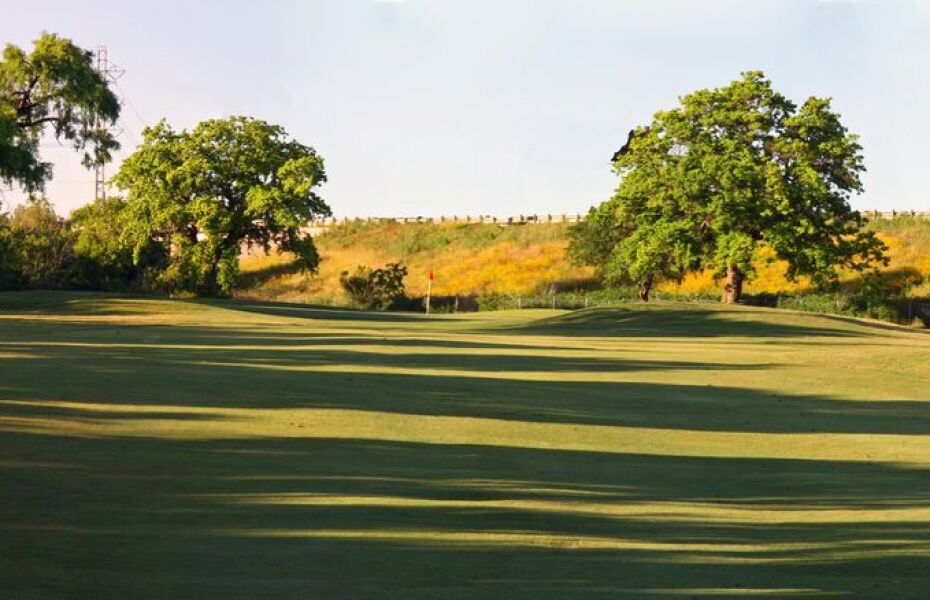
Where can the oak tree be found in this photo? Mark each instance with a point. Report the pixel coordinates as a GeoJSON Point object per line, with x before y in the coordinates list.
{"type": "Point", "coordinates": [728, 173]}
{"type": "Point", "coordinates": [205, 193]}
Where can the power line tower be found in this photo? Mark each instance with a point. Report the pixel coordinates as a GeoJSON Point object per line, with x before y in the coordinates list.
{"type": "Point", "coordinates": [110, 74]}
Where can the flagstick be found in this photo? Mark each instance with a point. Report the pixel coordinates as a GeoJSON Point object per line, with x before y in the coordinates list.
{"type": "Point", "coordinates": [429, 288]}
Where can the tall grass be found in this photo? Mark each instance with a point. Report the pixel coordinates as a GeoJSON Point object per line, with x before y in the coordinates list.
{"type": "Point", "coordinates": [528, 265]}
{"type": "Point", "coordinates": [465, 259]}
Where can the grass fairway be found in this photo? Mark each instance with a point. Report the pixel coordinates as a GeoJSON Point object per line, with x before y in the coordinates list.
{"type": "Point", "coordinates": [185, 449]}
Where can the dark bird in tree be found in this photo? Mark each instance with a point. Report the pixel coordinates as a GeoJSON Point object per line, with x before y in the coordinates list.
{"type": "Point", "coordinates": [625, 147]}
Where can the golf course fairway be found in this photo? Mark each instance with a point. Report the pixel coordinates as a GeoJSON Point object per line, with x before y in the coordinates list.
{"type": "Point", "coordinates": [159, 448]}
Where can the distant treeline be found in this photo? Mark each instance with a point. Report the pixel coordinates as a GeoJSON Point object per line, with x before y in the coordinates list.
{"type": "Point", "coordinates": [41, 250]}
{"type": "Point", "coordinates": [477, 268]}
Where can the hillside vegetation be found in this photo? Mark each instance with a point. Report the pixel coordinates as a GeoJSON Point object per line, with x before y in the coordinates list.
{"type": "Point", "coordinates": [232, 449]}
{"type": "Point", "coordinates": [465, 258]}
{"type": "Point", "coordinates": [525, 259]}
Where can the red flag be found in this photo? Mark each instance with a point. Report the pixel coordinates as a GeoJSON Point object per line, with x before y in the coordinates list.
{"type": "Point", "coordinates": [431, 277]}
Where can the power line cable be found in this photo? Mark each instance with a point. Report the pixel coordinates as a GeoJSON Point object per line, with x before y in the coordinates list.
{"type": "Point", "coordinates": [132, 107]}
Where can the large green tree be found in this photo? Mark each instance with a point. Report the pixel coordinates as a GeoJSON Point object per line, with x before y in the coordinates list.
{"type": "Point", "coordinates": [52, 88]}
{"type": "Point", "coordinates": [206, 192]}
{"type": "Point", "coordinates": [728, 173]}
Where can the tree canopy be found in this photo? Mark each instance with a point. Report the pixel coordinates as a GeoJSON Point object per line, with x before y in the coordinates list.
{"type": "Point", "coordinates": [207, 192]}
{"type": "Point", "coordinates": [55, 87]}
{"type": "Point", "coordinates": [729, 172]}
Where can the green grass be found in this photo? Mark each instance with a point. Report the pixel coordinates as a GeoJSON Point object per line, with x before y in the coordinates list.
{"type": "Point", "coordinates": [151, 448]}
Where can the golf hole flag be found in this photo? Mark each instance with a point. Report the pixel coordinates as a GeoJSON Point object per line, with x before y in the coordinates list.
{"type": "Point", "coordinates": [431, 276]}
{"type": "Point", "coordinates": [429, 289]}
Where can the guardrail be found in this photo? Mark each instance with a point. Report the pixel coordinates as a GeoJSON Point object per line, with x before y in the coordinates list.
{"type": "Point", "coordinates": [893, 214]}
{"type": "Point", "coordinates": [514, 220]}
{"type": "Point", "coordinates": [322, 224]}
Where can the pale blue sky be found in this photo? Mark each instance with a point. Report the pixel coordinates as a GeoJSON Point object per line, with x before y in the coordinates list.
{"type": "Point", "coordinates": [499, 107]}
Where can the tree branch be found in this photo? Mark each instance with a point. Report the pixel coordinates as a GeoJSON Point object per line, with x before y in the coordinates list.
{"type": "Point", "coordinates": [33, 122]}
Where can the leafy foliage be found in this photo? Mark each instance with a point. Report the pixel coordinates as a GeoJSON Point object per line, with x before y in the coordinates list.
{"type": "Point", "coordinates": [103, 258]}
{"type": "Point", "coordinates": [592, 241]}
{"type": "Point", "coordinates": [10, 269]}
{"type": "Point", "coordinates": [41, 250]}
{"type": "Point", "coordinates": [729, 172]}
{"type": "Point", "coordinates": [204, 193]}
{"type": "Point", "coordinates": [55, 85]}
{"type": "Point", "coordinates": [42, 245]}
{"type": "Point", "coordinates": [375, 288]}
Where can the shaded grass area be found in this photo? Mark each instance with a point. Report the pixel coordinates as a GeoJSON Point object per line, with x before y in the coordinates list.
{"type": "Point", "coordinates": [161, 448]}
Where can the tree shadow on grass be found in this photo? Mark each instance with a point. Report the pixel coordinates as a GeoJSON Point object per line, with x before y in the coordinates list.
{"type": "Point", "coordinates": [173, 367]}
{"type": "Point", "coordinates": [350, 518]}
{"type": "Point", "coordinates": [103, 515]}
{"type": "Point", "coordinates": [322, 313]}
{"type": "Point", "coordinates": [691, 322]}
{"type": "Point", "coordinates": [32, 302]}
{"type": "Point", "coordinates": [256, 277]}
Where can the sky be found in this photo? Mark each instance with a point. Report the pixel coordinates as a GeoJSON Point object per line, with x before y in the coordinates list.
{"type": "Point", "coordinates": [498, 107]}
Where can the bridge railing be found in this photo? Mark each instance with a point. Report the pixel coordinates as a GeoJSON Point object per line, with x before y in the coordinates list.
{"type": "Point", "coordinates": [547, 218]}
{"type": "Point", "coordinates": [534, 219]}
{"type": "Point", "coordinates": [511, 220]}
{"type": "Point", "coordinates": [894, 214]}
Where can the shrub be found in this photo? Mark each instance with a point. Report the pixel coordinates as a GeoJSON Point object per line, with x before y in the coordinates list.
{"type": "Point", "coordinates": [375, 288]}
{"type": "Point", "coordinates": [494, 301]}
{"type": "Point", "coordinates": [42, 243]}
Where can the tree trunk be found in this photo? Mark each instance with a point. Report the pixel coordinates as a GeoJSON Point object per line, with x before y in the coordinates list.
{"type": "Point", "coordinates": [212, 285]}
{"type": "Point", "coordinates": [733, 286]}
{"type": "Point", "coordinates": [644, 288]}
